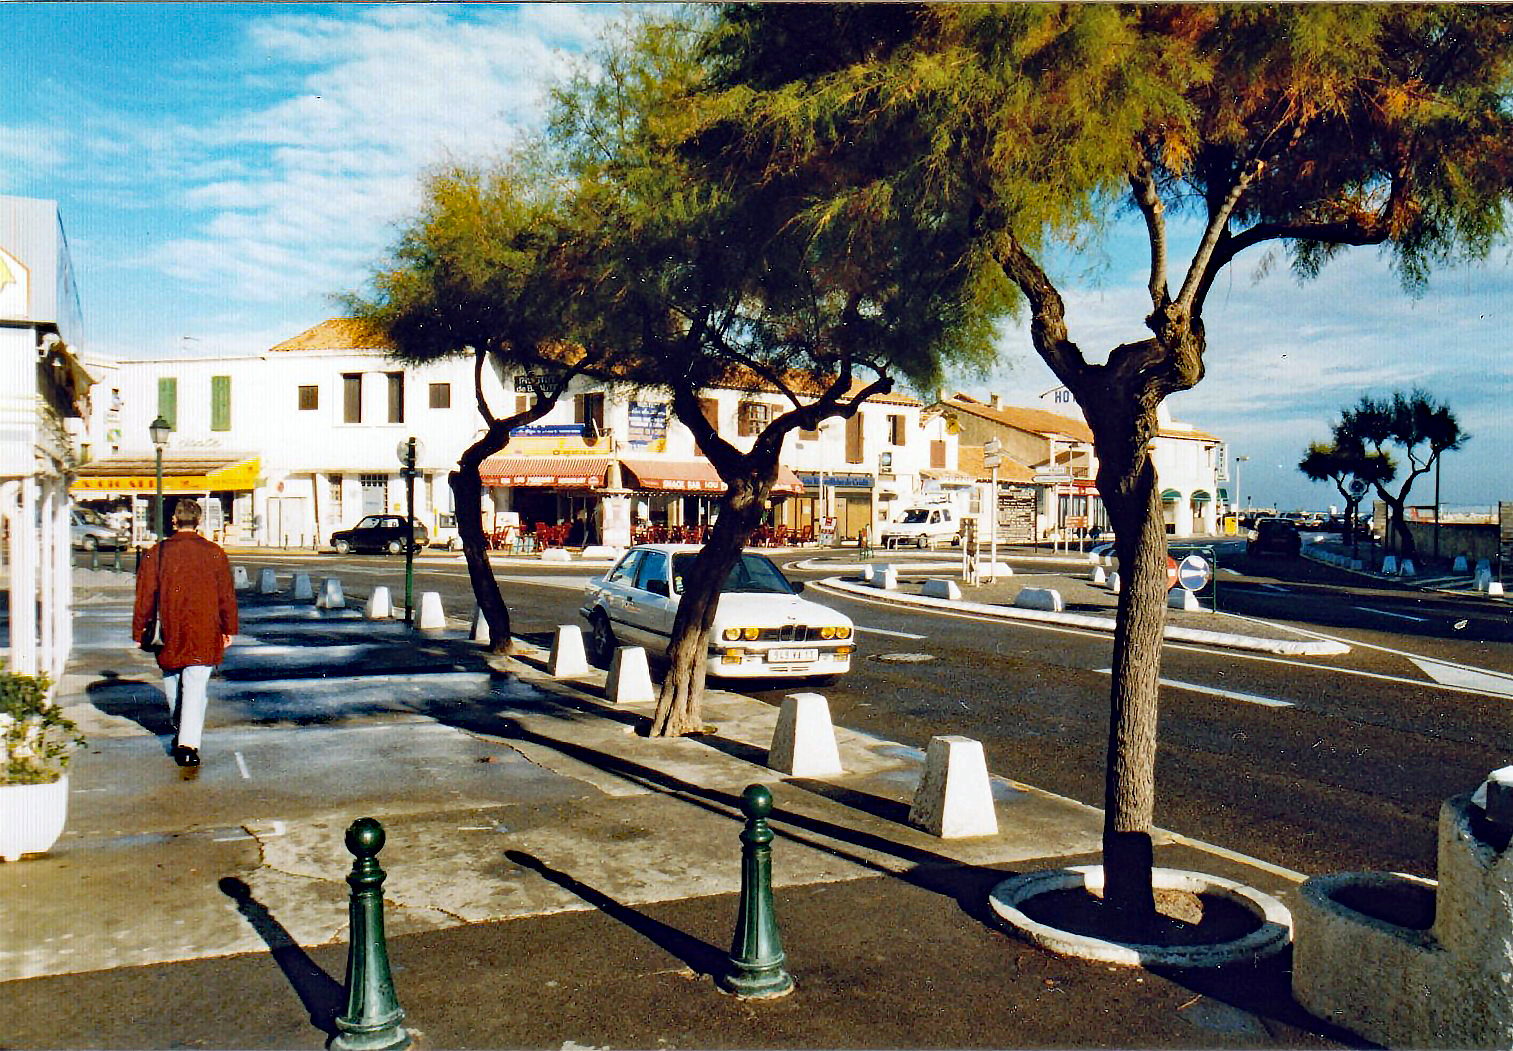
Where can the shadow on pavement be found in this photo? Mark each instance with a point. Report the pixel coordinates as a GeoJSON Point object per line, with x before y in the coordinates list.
{"type": "Point", "coordinates": [323, 996]}
{"type": "Point", "coordinates": [699, 955]}
{"type": "Point", "coordinates": [136, 699]}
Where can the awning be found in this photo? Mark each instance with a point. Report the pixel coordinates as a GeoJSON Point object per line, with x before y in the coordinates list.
{"type": "Point", "coordinates": [1200, 496]}
{"type": "Point", "coordinates": [1169, 496]}
{"type": "Point", "coordinates": [558, 472]}
{"type": "Point", "coordinates": [692, 476]}
{"type": "Point", "coordinates": [181, 474]}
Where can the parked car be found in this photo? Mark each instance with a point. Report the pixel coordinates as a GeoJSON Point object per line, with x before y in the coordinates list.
{"type": "Point", "coordinates": [89, 531]}
{"type": "Point", "coordinates": [920, 527]}
{"type": "Point", "coordinates": [762, 628]}
{"type": "Point", "coordinates": [1274, 536]}
{"type": "Point", "coordinates": [380, 533]}
{"type": "Point", "coordinates": [445, 534]}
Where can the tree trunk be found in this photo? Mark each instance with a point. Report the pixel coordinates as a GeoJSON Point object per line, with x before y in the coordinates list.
{"type": "Point", "coordinates": [1134, 506]}
{"type": "Point", "coordinates": [1397, 527]}
{"type": "Point", "coordinates": [467, 496]}
{"type": "Point", "coordinates": [680, 702]}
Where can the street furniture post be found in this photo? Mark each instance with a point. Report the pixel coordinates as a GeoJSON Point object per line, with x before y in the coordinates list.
{"type": "Point", "coordinates": [755, 969]}
{"type": "Point", "coordinates": [159, 429]}
{"type": "Point", "coordinates": [373, 1016]}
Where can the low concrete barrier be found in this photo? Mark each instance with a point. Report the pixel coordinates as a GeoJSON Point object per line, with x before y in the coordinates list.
{"type": "Point", "coordinates": [1047, 599]}
{"type": "Point", "coordinates": [885, 577]}
{"type": "Point", "coordinates": [1389, 566]}
{"type": "Point", "coordinates": [479, 632]}
{"type": "Point", "coordinates": [239, 578]}
{"type": "Point", "coordinates": [556, 554]}
{"type": "Point", "coordinates": [302, 588]}
{"type": "Point", "coordinates": [380, 605]}
{"type": "Point", "coordinates": [954, 799]}
{"type": "Point", "coordinates": [1113, 582]}
{"type": "Point", "coordinates": [330, 596]}
{"type": "Point", "coordinates": [568, 660]}
{"type": "Point", "coordinates": [1181, 598]}
{"type": "Point", "coordinates": [803, 742]}
{"type": "Point", "coordinates": [267, 582]}
{"type": "Point", "coordinates": [629, 680]}
{"type": "Point", "coordinates": [946, 589]}
{"type": "Point", "coordinates": [432, 618]}
{"type": "Point", "coordinates": [1097, 576]}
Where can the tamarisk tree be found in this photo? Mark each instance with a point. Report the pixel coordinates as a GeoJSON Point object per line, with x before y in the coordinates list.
{"type": "Point", "coordinates": [1305, 129]}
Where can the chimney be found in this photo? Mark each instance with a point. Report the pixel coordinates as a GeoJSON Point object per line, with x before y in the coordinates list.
{"type": "Point", "coordinates": [993, 400]}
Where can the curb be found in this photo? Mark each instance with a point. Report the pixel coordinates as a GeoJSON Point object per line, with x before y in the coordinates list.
{"type": "Point", "coordinates": [1173, 633]}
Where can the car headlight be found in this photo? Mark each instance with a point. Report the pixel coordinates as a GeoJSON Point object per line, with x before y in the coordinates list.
{"type": "Point", "coordinates": [736, 634]}
{"type": "Point", "coordinates": [731, 634]}
{"type": "Point", "coordinates": [843, 631]}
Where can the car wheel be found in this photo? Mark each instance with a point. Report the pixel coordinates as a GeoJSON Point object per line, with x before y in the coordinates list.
{"type": "Point", "coordinates": [395, 547]}
{"type": "Point", "coordinates": [90, 543]}
{"type": "Point", "coordinates": [342, 547]}
{"type": "Point", "coordinates": [454, 544]}
{"type": "Point", "coordinates": [601, 639]}
{"type": "Point", "coordinates": [922, 542]}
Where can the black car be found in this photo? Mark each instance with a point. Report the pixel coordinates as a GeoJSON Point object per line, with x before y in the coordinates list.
{"type": "Point", "coordinates": [1274, 536]}
{"type": "Point", "coordinates": [380, 533]}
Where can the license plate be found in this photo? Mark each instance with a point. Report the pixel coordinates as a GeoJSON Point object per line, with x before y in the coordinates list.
{"type": "Point", "coordinates": [787, 656]}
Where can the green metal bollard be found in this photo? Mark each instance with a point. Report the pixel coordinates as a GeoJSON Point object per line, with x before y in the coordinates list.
{"type": "Point", "coordinates": [373, 1017]}
{"type": "Point", "coordinates": [756, 952]}
{"type": "Point", "coordinates": [94, 558]}
{"type": "Point", "coordinates": [118, 558]}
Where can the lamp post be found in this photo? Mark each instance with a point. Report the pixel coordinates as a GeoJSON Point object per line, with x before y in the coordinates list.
{"type": "Point", "coordinates": [1238, 461]}
{"type": "Point", "coordinates": [409, 452]}
{"type": "Point", "coordinates": [160, 429]}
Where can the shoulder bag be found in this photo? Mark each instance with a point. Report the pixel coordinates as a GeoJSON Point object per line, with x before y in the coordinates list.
{"type": "Point", "coordinates": [152, 632]}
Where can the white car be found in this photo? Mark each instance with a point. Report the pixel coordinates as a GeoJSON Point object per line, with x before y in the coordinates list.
{"type": "Point", "coordinates": [762, 628]}
{"type": "Point", "coordinates": [921, 527]}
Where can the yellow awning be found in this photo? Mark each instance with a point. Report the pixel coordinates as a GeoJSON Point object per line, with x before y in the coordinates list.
{"type": "Point", "coordinates": [180, 475]}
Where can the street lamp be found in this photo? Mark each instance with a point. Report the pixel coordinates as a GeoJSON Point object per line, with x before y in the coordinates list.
{"type": "Point", "coordinates": [160, 429]}
{"type": "Point", "coordinates": [1238, 461]}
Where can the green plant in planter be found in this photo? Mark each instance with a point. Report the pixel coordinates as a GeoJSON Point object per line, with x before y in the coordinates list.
{"type": "Point", "coordinates": [38, 738]}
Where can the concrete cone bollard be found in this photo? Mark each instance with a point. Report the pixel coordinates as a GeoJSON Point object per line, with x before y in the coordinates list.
{"type": "Point", "coordinates": [480, 631]}
{"type": "Point", "coordinates": [629, 680]}
{"type": "Point", "coordinates": [1098, 576]}
{"type": "Point", "coordinates": [380, 604]}
{"type": "Point", "coordinates": [373, 1018]}
{"type": "Point", "coordinates": [1113, 582]}
{"type": "Point", "coordinates": [301, 588]}
{"type": "Point", "coordinates": [568, 659]}
{"type": "Point", "coordinates": [239, 578]}
{"type": "Point", "coordinates": [755, 969]}
{"type": "Point", "coordinates": [431, 616]}
{"type": "Point", "coordinates": [331, 596]}
{"type": "Point", "coordinates": [267, 582]}
{"type": "Point", "coordinates": [955, 798]}
{"type": "Point", "coordinates": [803, 742]}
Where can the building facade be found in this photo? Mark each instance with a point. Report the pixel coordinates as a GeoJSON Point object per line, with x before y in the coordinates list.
{"type": "Point", "coordinates": [44, 391]}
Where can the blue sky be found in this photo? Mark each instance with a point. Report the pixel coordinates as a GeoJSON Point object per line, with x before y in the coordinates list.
{"type": "Point", "coordinates": [223, 169]}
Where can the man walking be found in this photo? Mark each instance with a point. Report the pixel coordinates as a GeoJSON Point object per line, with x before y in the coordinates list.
{"type": "Point", "coordinates": [188, 580]}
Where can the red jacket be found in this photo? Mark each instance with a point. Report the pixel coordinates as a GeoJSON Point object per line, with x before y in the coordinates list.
{"type": "Point", "coordinates": [198, 603]}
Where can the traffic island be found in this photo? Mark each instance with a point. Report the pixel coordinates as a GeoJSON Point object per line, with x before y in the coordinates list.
{"type": "Point", "coordinates": [1203, 921]}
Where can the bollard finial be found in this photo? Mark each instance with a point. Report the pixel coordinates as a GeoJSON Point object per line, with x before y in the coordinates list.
{"type": "Point", "coordinates": [365, 837]}
{"type": "Point", "coordinates": [756, 802]}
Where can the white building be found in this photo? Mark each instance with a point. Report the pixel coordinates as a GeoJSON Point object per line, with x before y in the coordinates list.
{"type": "Point", "coordinates": [290, 444]}
{"type": "Point", "coordinates": [43, 393]}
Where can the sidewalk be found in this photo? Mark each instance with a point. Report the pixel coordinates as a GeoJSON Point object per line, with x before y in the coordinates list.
{"type": "Point", "coordinates": [554, 880]}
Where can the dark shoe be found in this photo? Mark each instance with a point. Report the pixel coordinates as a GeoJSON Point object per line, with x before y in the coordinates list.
{"type": "Point", "coordinates": [186, 756]}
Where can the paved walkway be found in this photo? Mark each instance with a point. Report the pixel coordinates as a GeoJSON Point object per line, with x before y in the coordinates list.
{"type": "Point", "coordinates": [555, 880]}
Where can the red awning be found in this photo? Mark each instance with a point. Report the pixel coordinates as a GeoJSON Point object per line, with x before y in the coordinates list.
{"type": "Point", "coordinates": [560, 472]}
{"type": "Point", "coordinates": [692, 476]}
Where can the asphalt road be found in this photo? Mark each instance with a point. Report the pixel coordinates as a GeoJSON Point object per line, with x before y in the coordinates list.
{"type": "Point", "coordinates": [1318, 765]}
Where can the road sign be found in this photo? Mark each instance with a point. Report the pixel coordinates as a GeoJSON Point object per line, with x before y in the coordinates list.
{"type": "Point", "coordinates": [991, 446]}
{"type": "Point", "coordinates": [1053, 479]}
{"type": "Point", "coordinates": [1171, 572]}
{"type": "Point", "coordinates": [992, 462]}
{"type": "Point", "coordinates": [1192, 573]}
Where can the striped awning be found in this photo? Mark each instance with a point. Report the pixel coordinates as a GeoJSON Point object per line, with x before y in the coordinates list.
{"type": "Point", "coordinates": [692, 476]}
{"type": "Point", "coordinates": [182, 474]}
{"type": "Point", "coordinates": [554, 472]}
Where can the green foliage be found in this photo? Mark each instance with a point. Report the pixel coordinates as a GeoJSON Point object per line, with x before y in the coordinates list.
{"type": "Point", "coordinates": [37, 736]}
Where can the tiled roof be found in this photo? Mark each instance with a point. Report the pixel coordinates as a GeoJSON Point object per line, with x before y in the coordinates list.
{"type": "Point", "coordinates": [1033, 421]}
{"type": "Point", "coordinates": [342, 333]}
{"type": "Point", "coordinates": [969, 461]}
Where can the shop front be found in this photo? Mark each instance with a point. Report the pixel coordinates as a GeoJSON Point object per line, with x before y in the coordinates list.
{"type": "Point", "coordinates": [126, 488]}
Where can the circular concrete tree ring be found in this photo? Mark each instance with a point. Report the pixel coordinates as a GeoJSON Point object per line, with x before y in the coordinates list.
{"type": "Point", "coordinates": [1273, 935]}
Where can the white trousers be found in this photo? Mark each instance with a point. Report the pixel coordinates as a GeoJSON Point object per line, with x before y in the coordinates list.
{"type": "Point", "coordinates": [185, 690]}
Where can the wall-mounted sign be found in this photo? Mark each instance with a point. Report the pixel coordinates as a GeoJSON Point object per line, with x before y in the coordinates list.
{"type": "Point", "coordinates": [648, 426]}
{"type": "Point", "coordinates": [15, 288]}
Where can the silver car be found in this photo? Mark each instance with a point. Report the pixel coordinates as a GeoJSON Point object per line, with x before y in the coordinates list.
{"type": "Point", "coordinates": [90, 531]}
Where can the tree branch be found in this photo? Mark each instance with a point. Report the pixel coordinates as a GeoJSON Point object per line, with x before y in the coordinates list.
{"type": "Point", "coordinates": [1143, 184]}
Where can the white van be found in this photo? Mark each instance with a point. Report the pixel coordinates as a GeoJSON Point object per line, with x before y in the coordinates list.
{"type": "Point", "coordinates": [921, 527]}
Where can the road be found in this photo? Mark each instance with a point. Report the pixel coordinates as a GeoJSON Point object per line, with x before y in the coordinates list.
{"type": "Point", "coordinates": [1316, 765]}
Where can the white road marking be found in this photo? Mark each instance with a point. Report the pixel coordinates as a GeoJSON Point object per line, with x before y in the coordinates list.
{"type": "Point", "coordinates": [894, 634]}
{"type": "Point", "coordinates": [1214, 691]}
{"type": "Point", "coordinates": [1389, 613]}
{"type": "Point", "coordinates": [241, 764]}
{"type": "Point", "coordinates": [1494, 682]}
{"type": "Point", "coordinates": [1275, 587]}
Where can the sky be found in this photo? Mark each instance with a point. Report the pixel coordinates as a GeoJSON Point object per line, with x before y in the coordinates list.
{"type": "Point", "coordinates": [224, 170]}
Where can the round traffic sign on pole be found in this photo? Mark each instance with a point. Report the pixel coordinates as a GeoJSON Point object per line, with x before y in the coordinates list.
{"type": "Point", "coordinates": [1171, 572]}
{"type": "Point", "coordinates": [1193, 572]}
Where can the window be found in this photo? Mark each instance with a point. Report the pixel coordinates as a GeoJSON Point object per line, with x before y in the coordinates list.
{"type": "Point", "coordinates": [625, 572]}
{"type": "Point", "coordinates": [589, 411]}
{"type": "Point", "coordinates": [522, 403]}
{"type": "Point", "coordinates": [168, 401]}
{"type": "Point", "coordinates": [854, 439]}
{"type": "Point", "coordinates": [335, 482]}
{"type": "Point", "coordinates": [937, 454]}
{"type": "Point", "coordinates": [309, 396]}
{"type": "Point", "coordinates": [396, 396]}
{"type": "Point", "coordinates": [220, 403]}
{"type": "Point", "coordinates": [441, 395]}
{"type": "Point", "coordinates": [351, 394]}
{"type": "Point", "coordinates": [653, 569]}
{"type": "Point", "coordinates": [711, 410]}
{"type": "Point", "coordinates": [753, 417]}
{"type": "Point", "coordinates": [895, 430]}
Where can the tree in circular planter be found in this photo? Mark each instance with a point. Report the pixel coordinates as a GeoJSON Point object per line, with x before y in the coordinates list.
{"type": "Point", "coordinates": [38, 742]}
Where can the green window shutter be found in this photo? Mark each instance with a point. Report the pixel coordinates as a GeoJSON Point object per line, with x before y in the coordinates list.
{"type": "Point", "coordinates": [168, 400]}
{"type": "Point", "coordinates": [220, 403]}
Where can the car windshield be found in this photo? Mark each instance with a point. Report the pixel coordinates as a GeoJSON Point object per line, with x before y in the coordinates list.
{"type": "Point", "coordinates": [89, 516]}
{"type": "Point", "coordinates": [750, 574]}
{"type": "Point", "coordinates": [918, 514]}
